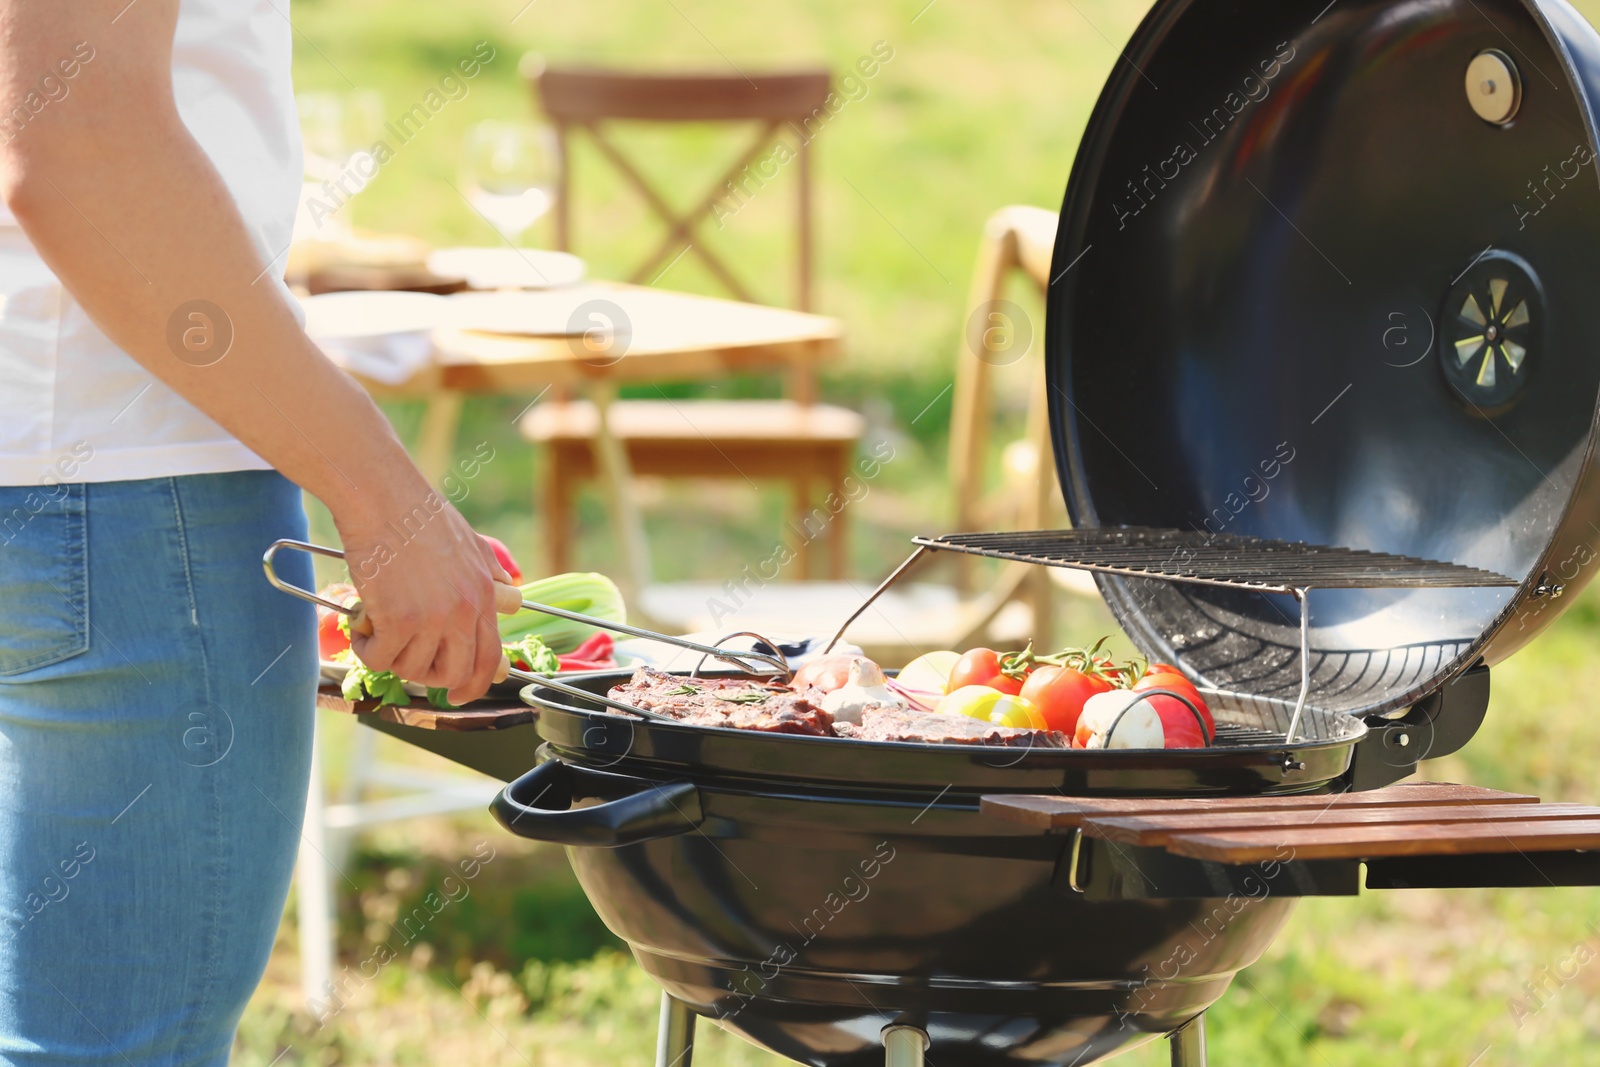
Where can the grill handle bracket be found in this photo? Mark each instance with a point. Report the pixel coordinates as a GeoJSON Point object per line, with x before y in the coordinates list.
{"type": "Point", "coordinates": [1438, 725]}
{"type": "Point", "coordinates": [539, 806]}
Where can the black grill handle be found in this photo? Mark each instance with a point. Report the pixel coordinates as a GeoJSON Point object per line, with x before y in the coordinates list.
{"type": "Point", "coordinates": [539, 805]}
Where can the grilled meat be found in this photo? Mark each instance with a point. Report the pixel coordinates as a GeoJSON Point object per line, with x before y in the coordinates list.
{"type": "Point", "coordinates": [926, 728]}
{"type": "Point", "coordinates": [750, 704]}
{"type": "Point", "coordinates": [744, 704]}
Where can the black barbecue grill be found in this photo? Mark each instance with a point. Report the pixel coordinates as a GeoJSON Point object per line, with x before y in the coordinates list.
{"type": "Point", "coordinates": [1323, 395]}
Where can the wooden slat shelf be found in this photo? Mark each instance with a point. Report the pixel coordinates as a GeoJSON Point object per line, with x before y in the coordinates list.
{"type": "Point", "coordinates": [1066, 813]}
{"type": "Point", "coordinates": [1536, 834]}
{"type": "Point", "coordinates": [1161, 830]}
{"type": "Point", "coordinates": [1417, 820]}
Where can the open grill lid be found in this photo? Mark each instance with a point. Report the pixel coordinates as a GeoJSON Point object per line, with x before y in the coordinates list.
{"type": "Point", "coordinates": [1325, 273]}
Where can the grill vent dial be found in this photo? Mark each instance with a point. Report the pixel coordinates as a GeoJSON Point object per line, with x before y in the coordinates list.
{"type": "Point", "coordinates": [1493, 319]}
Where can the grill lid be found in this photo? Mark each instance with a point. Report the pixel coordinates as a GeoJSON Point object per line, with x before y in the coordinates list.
{"type": "Point", "coordinates": [1323, 275]}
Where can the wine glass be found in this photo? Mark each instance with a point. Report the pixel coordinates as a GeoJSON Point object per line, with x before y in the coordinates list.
{"type": "Point", "coordinates": [362, 123]}
{"type": "Point", "coordinates": [322, 133]}
{"type": "Point", "coordinates": [339, 132]}
{"type": "Point", "coordinates": [510, 174]}
{"type": "Point", "coordinates": [336, 128]}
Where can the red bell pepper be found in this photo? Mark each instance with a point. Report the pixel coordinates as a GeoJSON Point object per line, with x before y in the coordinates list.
{"type": "Point", "coordinates": [595, 654]}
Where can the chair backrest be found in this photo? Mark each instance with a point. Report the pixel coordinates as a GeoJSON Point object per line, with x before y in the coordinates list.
{"type": "Point", "coordinates": [590, 99]}
{"type": "Point", "coordinates": [1015, 239]}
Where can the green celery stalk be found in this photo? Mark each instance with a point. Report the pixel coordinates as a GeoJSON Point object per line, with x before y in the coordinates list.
{"type": "Point", "coordinates": [585, 593]}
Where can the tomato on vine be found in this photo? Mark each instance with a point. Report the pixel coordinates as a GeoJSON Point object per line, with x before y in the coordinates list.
{"type": "Point", "coordinates": [1060, 693]}
{"type": "Point", "coordinates": [985, 666]}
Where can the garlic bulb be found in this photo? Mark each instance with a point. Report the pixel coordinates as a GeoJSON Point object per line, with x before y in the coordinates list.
{"type": "Point", "coordinates": [866, 687]}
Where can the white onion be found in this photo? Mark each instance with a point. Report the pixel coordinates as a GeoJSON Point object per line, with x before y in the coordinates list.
{"type": "Point", "coordinates": [1139, 728]}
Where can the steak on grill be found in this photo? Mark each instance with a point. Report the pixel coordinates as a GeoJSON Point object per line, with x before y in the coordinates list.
{"type": "Point", "coordinates": [743, 704]}
{"type": "Point", "coordinates": [921, 727]}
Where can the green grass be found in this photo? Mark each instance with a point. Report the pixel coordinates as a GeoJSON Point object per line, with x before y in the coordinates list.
{"type": "Point", "coordinates": [981, 106]}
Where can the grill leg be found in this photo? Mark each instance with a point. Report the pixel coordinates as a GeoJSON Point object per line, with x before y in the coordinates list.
{"type": "Point", "coordinates": [904, 1046]}
{"type": "Point", "coordinates": [675, 1039]}
{"type": "Point", "coordinates": [1189, 1043]}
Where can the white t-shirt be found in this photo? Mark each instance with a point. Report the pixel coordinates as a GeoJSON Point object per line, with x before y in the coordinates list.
{"type": "Point", "coordinates": [73, 406]}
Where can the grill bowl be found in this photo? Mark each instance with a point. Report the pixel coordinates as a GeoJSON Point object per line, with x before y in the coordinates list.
{"type": "Point", "coordinates": [765, 921]}
{"type": "Point", "coordinates": [806, 892]}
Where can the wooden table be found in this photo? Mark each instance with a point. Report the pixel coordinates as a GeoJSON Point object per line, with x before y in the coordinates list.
{"type": "Point", "coordinates": [672, 337]}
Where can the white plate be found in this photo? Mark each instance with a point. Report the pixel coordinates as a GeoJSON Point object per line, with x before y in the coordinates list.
{"type": "Point", "coordinates": [552, 313]}
{"type": "Point", "coordinates": [333, 674]}
{"type": "Point", "coordinates": [507, 268]}
{"type": "Point", "coordinates": [373, 314]}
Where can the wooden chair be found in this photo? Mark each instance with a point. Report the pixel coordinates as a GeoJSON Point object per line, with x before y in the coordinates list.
{"type": "Point", "coordinates": [1017, 605]}
{"type": "Point", "coordinates": [795, 439]}
{"type": "Point", "coordinates": [1015, 239]}
{"type": "Point", "coordinates": [803, 444]}
{"type": "Point", "coordinates": [1018, 239]}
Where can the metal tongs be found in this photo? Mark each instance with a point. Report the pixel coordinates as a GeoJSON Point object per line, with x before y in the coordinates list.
{"type": "Point", "coordinates": [508, 601]}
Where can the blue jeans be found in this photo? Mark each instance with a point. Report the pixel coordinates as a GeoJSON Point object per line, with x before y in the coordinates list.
{"type": "Point", "coordinates": [156, 702]}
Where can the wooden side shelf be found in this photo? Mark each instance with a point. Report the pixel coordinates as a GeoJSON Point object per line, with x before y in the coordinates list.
{"type": "Point", "coordinates": [1407, 836]}
{"type": "Point", "coordinates": [489, 714]}
{"type": "Point", "coordinates": [1062, 812]}
{"type": "Point", "coordinates": [479, 735]}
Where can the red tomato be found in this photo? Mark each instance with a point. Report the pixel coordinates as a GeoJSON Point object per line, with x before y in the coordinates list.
{"type": "Point", "coordinates": [981, 666]}
{"type": "Point", "coordinates": [1162, 668]}
{"type": "Point", "coordinates": [330, 639]}
{"type": "Point", "coordinates": [503, 556]}
{"type": "Point", "coordinates": [1178, 724]}
{"type": "Point", "coordinates": [1177, 683]}
{"type": "Point", "coordinates": [1059, 694]}
{"type": "Point", "coordinates": [1165, 680]}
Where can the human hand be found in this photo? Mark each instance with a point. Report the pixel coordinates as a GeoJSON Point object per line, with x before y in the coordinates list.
{"type": "Point", "coordinates": [427, 585]}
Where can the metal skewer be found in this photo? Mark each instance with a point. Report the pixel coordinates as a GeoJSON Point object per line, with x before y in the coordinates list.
{"type": "Point", "coordinates": [573, 691]}
{"type": "Point", "coordinates": [740, 660]}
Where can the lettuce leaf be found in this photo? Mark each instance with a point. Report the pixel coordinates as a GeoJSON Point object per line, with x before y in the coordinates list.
{"type": "Point", "coordinates": [535, 653]}
{"type": "Point", "coordinates": [363, 683]}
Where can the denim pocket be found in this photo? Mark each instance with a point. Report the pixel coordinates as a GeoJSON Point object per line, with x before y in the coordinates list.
{"type": "Point", "coordinates": [44, 576]}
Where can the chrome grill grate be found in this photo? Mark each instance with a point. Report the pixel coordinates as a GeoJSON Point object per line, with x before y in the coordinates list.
{"type": "Point", "coordinates": [1223, 559]}
{"type": "Point", "coordinates": [1230, 735]}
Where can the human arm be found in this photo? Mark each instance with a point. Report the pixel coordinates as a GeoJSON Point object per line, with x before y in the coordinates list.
{"type": "Point", "coordinates": [129, 212]}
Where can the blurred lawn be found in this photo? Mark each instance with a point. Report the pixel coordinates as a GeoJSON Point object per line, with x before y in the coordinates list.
{"type": "Point", "coordinates": [981, 106]}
